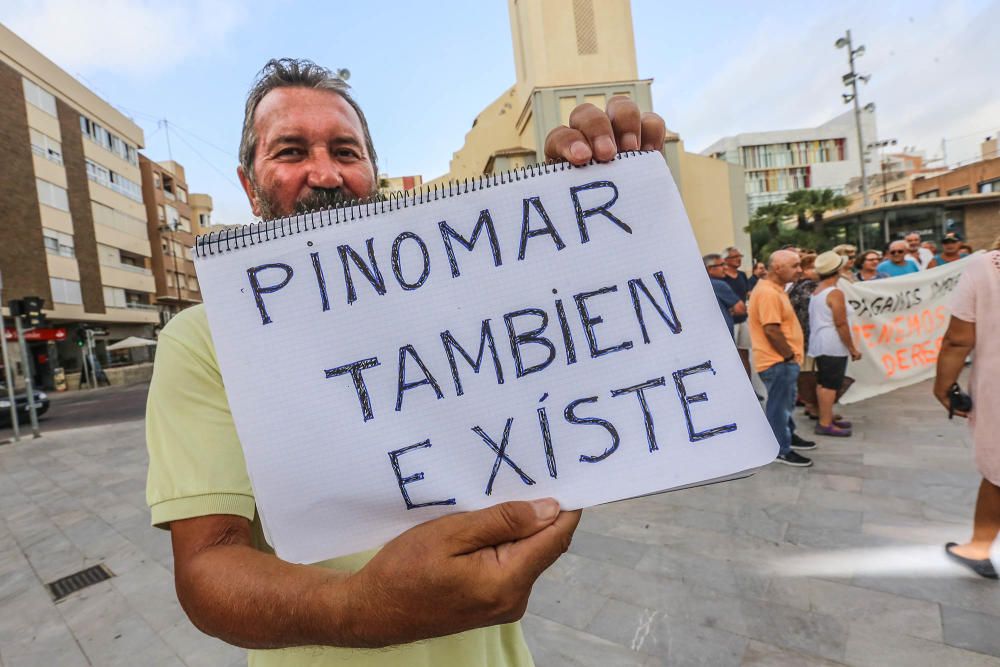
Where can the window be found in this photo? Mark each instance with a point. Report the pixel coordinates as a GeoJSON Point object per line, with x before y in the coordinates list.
{"type": "Point", "coordinates": [182, 195]}
{"type": "Point", "coordinates": [52, 195]}
{"type": "Point", "coordinates": [46, 146]}
{"type": "Point", "coordinates": [959, 191]}
{"type": "Point", "coordinates": [110, 217]}
{"type": "Point", "coordinates": [114, 180]}
{"type": "Point", "coordinates": [58, 243]}
{"type": "Point", "coordinates": [156, 180]}
{"type": "Point", "coordinates": [39, 98]}
{"type": "Point", "coordinates": [204, 220]}
{"type": "Point", "coordinates": [173, 217]}
{"type": "Point", "coordinates": [109, 141]}
{"type": "Point", "coordinates": [184, 224]}
{"type": "Point", "coordinates": [990, 186]}
{"type": "Point", "coordinates": [114, 297]}
{"type": "Point", "coordinates": [161, 214]}
{"type": "Point", "coordinates": [168, 187]}
{"type": "Point", "coordinates": [930, 194]}
{"type": "Point", "coordinates": [66, 291]}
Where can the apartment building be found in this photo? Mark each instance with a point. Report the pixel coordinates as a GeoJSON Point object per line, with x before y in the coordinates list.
{"type": "Point", "coordinates": [201, 212]}
{"type": "Point", "coordinates": [171, 235]}
{"type": "Point", "coordinates": [776, 163]}
{"type": "Point", "coordinates": [73, 222]}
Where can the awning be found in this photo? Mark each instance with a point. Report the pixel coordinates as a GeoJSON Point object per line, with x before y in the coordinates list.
{"type": "Point", "coordinates": [131, 341]}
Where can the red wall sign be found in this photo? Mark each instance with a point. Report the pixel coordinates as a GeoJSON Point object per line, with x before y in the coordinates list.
{"type": "Point", "coordinates": [9, 333]}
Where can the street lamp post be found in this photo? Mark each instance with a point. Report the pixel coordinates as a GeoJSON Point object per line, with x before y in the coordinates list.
{"type": "Point", "coordinates": [851, 81]}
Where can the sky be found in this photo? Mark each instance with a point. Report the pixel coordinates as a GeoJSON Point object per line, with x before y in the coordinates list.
{"type": "Point", "coordinates": [423, 71]}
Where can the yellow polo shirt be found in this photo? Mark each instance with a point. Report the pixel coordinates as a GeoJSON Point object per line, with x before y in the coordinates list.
{"type": "Point", "coordinates": [769, 304]}
{"type": "Point", "coordinates": [196, 468]}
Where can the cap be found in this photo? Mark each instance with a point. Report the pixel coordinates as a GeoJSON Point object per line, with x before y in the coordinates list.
{"type": "Point", "coordinates": [829, 263]}
{"type": "Point", "coordinates": [952, 237]}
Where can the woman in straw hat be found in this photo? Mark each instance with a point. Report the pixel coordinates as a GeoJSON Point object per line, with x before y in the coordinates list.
{"type": "Point", "coordinates": [830, 342]}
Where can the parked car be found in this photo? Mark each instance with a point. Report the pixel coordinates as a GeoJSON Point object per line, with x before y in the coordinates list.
{"type": "Point", "coordinates": [21, 401]}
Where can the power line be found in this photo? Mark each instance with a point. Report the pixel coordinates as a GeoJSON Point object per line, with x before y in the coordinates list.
{"type": "Point", "coordinates": [209, 163]}
{"type": "Point", "coordinates": [204, 141]}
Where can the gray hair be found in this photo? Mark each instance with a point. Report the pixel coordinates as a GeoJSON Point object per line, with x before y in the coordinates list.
{"type": "Point", "coordinates": [293, 72]}
{"type": "Point", "coordinates": [710, 258]}
{"type": "Point", "coordinates": [731, 249]}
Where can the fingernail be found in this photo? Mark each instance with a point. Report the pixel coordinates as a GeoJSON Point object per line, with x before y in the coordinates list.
{"type": "Point", "coordinates": [579, 151]}
{"type": "Point", "coordinates": [546, 508]}
{"type": "Point", "coordinates": [630, 142]}
{"type": "Point", "coordinates": [605, 146]}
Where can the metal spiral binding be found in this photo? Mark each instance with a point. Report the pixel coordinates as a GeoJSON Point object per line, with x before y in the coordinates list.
{"type": "Point", "coordinates": [229, 240]}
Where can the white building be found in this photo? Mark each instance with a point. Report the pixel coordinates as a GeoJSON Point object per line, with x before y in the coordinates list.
{"type": "Point", "coordinates": [778, 162]}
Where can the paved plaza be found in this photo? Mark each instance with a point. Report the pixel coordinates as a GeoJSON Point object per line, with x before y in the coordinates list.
{"type": "Point", "coordinates": [841, 563]}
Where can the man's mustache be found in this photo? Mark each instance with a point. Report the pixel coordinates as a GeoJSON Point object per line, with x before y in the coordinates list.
{"type": "Point", "coordinates": [324, 198]}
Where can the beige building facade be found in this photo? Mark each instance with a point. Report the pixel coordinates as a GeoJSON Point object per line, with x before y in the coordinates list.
{"type": "Point", "coordinates": [73, 220]}
{"type": "Point", "coordinates": [566, 53]}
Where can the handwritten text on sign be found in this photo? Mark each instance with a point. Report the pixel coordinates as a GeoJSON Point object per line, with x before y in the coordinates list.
{"type": "Point", "coordinates": [551, 336]}
{"type": "Point", "coordinates": [899, 323]}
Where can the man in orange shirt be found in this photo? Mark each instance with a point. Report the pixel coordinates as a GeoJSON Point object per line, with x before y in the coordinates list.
{"type": "Point", "coordinates": [778, 343]}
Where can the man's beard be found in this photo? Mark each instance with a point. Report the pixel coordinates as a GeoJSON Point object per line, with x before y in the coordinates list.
{"type": "Point", "coordinates": [316, 199]}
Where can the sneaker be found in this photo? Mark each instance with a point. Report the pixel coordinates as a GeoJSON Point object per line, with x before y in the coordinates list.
{"type": "Point", "coordinates": [832, 430]}
{"type": "Point", "coordinates": [794, 459]}
{"type": "Point", "coordinates": [799, 443]}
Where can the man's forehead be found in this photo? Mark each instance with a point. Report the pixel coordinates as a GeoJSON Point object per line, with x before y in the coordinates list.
{"type": "Point", "coordinates": [291, 107]}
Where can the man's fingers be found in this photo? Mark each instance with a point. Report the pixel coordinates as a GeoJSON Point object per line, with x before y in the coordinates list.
{"type": "Point", "coordinates": [533, 555]}
{"type": "Point", "coordinates": [596, 128]}
{"type": "Point", "coordinates": [564, 143]}
{"type": "Point", "coordinates": [625, 122]}
{"type": "Point", "coordinates": [506, 522]}
{"type": "Point", "coordinates": [654, 131]}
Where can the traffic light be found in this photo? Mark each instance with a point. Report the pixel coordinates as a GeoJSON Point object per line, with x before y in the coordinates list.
{"type": "Point", "coordinates": [32, 306]}
{"type": "Point", "coordinates": [81, 335]}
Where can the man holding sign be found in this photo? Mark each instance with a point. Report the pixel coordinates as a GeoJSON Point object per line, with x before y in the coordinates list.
{"type": "Point", "coordinates": [306, 145]}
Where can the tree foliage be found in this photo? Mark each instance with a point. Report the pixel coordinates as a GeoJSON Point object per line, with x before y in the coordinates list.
{"type": "Point", "coordinates": [798, 221]}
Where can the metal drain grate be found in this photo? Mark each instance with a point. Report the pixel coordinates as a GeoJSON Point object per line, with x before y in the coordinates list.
{"type": "Point", "coordinates": [74, 582]}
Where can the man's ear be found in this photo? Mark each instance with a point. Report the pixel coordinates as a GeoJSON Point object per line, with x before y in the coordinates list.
{"type": "Point", "coordinates": [249, 190]}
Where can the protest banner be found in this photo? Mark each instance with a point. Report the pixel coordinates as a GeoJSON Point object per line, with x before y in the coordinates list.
{"type": "Point", "coordinates": [898, 324]}
{"type": "Point", "coordinates": [544, 332]}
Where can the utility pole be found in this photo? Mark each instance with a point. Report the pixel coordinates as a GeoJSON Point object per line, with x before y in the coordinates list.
{"type": "Point", "coordinates": [172, 252]}
{"type": "Point", "coordinates": [8, 376]}
{"type": "Point", "coordinates": [850, 80]}
{"type": "Point", "coordinates": [29, 385]}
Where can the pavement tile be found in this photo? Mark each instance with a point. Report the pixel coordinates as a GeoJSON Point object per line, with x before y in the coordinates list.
{"type": "Point", "coordinates": [687, 577]}
{"type": "Point", "coordinates": [676, 642]}
{"type": "Point", "coordinates": [555, 645]}
{"type": "Point", "coordinates": [971, 630]}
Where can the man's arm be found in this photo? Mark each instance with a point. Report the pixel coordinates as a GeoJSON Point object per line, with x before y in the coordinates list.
{"type": "Point", "coordinates": [777, 340]}
{"type": "Point", "coordinates": [456, 573]}
{"type": "Point", "coordinates": [739, 308]}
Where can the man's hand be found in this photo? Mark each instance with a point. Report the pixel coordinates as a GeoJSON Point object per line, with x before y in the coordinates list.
{"type": "Point", "coordinates": [458, 572]}
{"type": "Point", "coordinates": [597, 134]}
{"type": "Point", "coordinates": [739, 309]}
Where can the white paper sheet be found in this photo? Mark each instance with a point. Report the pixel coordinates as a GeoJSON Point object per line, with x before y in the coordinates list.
{"type": "Point", "coordinates": [329, 482]}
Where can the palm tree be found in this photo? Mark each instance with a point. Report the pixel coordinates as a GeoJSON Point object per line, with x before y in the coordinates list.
{"type": "Point", "coordinates": [810, 205]}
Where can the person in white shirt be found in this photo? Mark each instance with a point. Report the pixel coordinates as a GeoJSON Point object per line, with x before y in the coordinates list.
{"type": "Point", "coordinates": [919, 254]}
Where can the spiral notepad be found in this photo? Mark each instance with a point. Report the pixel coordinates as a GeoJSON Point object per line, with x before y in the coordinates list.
{"type": "Point", "coordinates": [548, 331]}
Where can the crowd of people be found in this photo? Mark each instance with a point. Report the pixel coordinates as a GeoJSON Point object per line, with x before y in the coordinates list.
{"type": "Point", "coordinates": [795, 332]}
